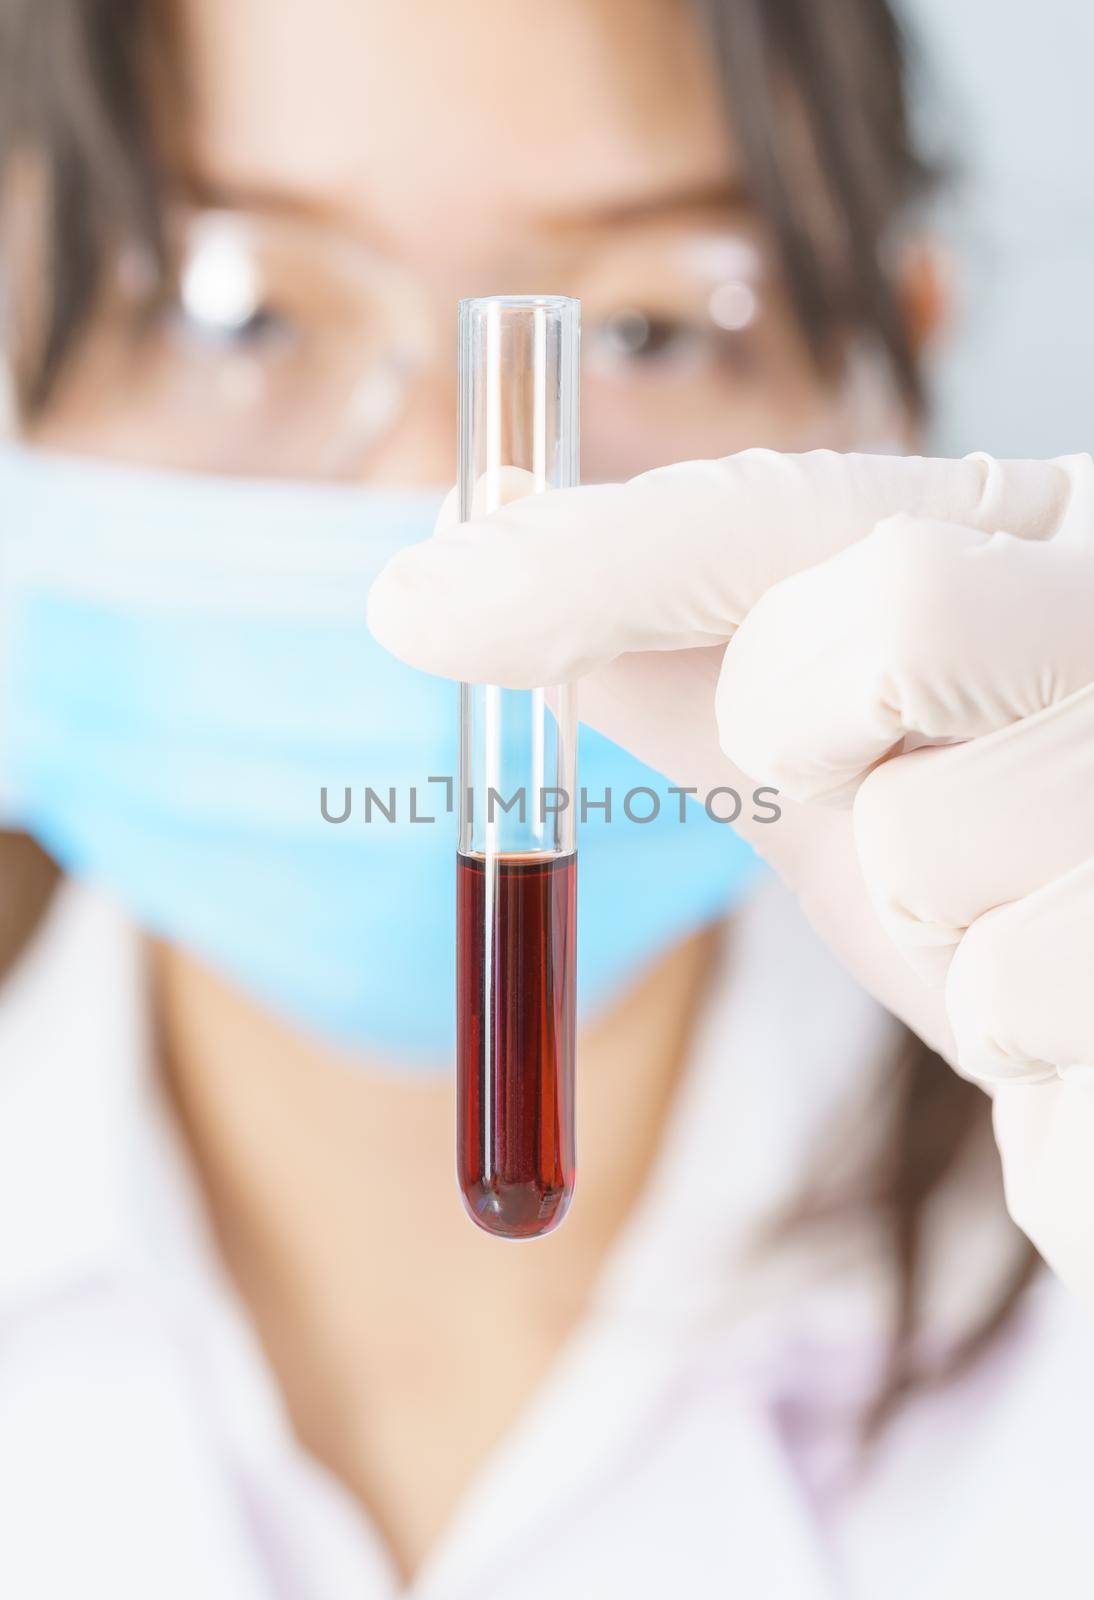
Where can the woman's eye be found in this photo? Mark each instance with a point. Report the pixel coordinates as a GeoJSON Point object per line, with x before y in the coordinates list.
{"type": "Point", "coordinates": [640, 336]}
{"type": "Point", "coordinates": [679, 348]}
{"type": "Point", "coordinates": [665, 349]}
{"type": "Point", "coordinates": [261, 327]}
{"type": "Point", "coordinates": [222, 295]}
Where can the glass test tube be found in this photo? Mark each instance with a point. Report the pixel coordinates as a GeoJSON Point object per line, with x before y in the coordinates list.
{"type": "Point", "coordinates": [516, 867]}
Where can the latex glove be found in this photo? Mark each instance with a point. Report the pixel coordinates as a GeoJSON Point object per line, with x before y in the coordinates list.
{"type": "Point", "coordinates": [869, 602]}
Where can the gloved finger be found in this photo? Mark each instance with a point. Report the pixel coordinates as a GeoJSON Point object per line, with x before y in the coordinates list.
{"type": "Point", "coordinates": [558, 584]}
{"type": "Point", "coordinates": [1018, 991]}
{"type": "Point", "coordinates": [1045, 1134]}
{"type": "Point", "coordinates": [944, 835]}
{"type": "Point", "coordinates": [660, 707]}
{"type": "Point", "coordinates": [922, 628]}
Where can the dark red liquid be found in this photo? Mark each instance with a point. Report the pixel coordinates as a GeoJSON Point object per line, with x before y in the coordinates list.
{"type": "Point", "coordinates": [515, 1042]}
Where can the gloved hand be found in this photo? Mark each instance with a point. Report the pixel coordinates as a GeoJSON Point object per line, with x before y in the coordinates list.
{"type": "Point", "coordinates": [870, 607]}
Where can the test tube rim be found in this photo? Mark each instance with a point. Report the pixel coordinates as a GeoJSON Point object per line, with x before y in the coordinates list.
{"type": "Point", "coordinates": [519, 302]}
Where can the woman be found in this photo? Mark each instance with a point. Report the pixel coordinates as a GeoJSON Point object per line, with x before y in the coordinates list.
{"type": "Point", "coordinates": [251, 1345]}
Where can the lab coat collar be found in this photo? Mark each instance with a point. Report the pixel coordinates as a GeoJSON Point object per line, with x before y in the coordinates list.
{"type": "Point", "coordinates": [93, 1178]}
{"type": "Point", "coordinates": [95, 1185]}
{"type": "Point", "coordinates": [75, 1100]}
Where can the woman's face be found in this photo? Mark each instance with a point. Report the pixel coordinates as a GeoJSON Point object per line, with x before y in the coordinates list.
{"type": "Point", "coordinates": [344, 172]}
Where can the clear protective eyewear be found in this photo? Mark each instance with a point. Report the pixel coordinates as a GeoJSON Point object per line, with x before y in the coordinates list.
{"type": "Point", "coordinates": [283, 348]}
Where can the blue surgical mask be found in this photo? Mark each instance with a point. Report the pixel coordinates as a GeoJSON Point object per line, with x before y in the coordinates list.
{"type": "Point", "coordinates": [186, 667]}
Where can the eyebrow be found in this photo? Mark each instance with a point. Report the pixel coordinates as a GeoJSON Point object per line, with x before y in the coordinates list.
{"type": "Point", "coordinates": [250, 195]}
{"type": "Point", "coordinates": [715, 195]}
{"type": "Point", "coordinates": [720, 194]}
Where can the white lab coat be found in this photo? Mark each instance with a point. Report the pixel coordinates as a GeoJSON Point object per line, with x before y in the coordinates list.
{"type": "Point", "coordinates": [145, 1455]}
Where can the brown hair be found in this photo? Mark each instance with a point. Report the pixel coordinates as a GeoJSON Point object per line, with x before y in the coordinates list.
{"type": "Point", "coordinates": [819, 88]}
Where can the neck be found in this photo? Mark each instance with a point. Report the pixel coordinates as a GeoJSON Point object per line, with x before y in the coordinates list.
{"type": "Point", "coordinates": [331, 1188]}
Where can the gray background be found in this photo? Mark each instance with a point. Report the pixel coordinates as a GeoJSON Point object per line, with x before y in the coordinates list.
{"type": "Point", "coordinates": [1013, 94]}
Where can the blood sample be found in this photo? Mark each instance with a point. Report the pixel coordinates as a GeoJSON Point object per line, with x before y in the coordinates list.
{"type": "Point", "coordinates": [517, 854]}
{"type": "Point", "coordinates": [516, 1147]}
